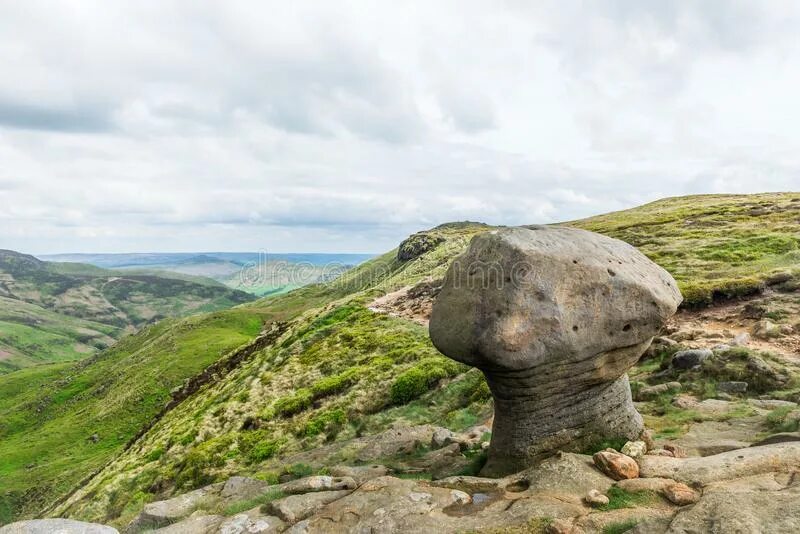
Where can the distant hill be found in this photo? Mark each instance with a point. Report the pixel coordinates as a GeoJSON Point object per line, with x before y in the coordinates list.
{"type": "Point", "coordinates": [333, 368]}
{"type": "Point", "coordinates": [257, 273]}
{"type": "Point", "coordinates": [66, 311]}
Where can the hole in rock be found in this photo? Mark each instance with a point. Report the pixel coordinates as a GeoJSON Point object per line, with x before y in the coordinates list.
{"type": "Point", "coordinates": [519, 486]}
{"type": "Point", "coordinates": [626, 328]}
{"type": "Point", "coordinates": [611, 272]}
{"type": "Point", "coordinates": [574, 328]}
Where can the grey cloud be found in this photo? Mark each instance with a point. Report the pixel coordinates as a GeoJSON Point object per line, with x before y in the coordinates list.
{"type": "Point", "coordinates": [85, 118]}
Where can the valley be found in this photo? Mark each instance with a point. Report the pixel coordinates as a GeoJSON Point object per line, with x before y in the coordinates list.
{"type": "Point", "coordinates": [344, 364]}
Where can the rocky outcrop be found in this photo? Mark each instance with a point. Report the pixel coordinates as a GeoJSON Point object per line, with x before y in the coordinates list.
{"type": "Point", "coordinates": [554, 317]}
{"type": "Point", "coordinates": [60, 526]}
{"type": "Point", "coordinates": [416, 245]}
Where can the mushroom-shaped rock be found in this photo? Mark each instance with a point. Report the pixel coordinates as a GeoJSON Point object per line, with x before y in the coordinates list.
{"type": "Point", "coordinates": [554, 317]}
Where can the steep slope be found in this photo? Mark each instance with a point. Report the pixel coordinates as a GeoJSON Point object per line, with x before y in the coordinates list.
{"type": "Point", "coordinates": [62, 311]}
{"type": "Point", "coordinates": [339, 369]}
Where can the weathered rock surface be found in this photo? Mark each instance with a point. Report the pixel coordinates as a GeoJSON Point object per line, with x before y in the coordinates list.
{"type": "Point", "coordinates": [777, 458]}
{"type": "Point", "coordinates": [318, 483]}
{"type": "Point", "coordinates": [595, 498]}
{"type": "Point", "coordinates": [56, 526]}
{"type": "Point", "coordinates": [554, 317]}
{"type": "Point", "coordinates": [252, 522]}
{"type": "Point", "coordinates": [298, 507]}
{"type": "Point", "coordinates": [163, 513]}
{"type": "Point", "coordinates": [199, 524]}
{"type": "Point", "coordinates": [360, 473]}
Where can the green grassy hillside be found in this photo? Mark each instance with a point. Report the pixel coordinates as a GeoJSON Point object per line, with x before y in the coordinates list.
{"type": "Point", "coordinates": [67, 311]}
{"type": "Point", "coordinates": [716, 246]}
{"type": "Point", "coordinates": [336, 370]}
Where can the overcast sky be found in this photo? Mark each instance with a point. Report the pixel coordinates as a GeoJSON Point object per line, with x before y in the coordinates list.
{"type": "Point", "coordinates": [344, 126]}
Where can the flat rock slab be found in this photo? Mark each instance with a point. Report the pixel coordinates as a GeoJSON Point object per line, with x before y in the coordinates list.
{"type": "Point", "coordinates": [56, 526]}
{"type": "Point", "coordinates": [714, 437]}
{"type": "Point", "coordinates": [782, 457]}
{"type": "Point", "coordinates": [298, 507]}
{"type": "Point", "coordinates": [201, 524]}
{"type": "Point", "coordinates": [252, 522]}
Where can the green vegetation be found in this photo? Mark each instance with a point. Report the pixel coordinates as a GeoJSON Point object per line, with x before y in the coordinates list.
{"type": "Point", "coordinates": [241, 506]}
{"type": "Point", "coordinates": [620, 498]}
{"type": "Point", "coordinates": [338, 370]}
{"type": "Point", "coordinates": [716, 246]}
{"type": "Point", "coordinates": [779, 420]}
{"type": "Point", "coordinates": [68, 311]}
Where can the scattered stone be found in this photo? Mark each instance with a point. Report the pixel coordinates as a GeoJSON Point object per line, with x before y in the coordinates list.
{"type": "Point", "coordinates": [663, 340]}
{"type": "Point", "coordinates": [360, 473]}
{"type": "Point", "coordinates": [634, 449]}
{"type": "Point", "coordinates": [595, 499]}
{"type": "Point", "coordinates": [754, 310]}
{"type": "Point", "coordinates": [505, 326]}
{"type": "Point", "coordinates": [616, 465]}
{"type": "Point", "coordinates": [318, 483]}
{"type": "Point", "coordinates": [766, 329]}
{"type": "Point", "coordinates": [686, 359]}
{"type": "Point", "coordinates": [740, 340]}
{"type": "Point", "coordinates": [680, 494]}
{"type": "Point", "coordinates": [298, 507]}
{"type": "Point", "coordinates": [685, 402]}
{"type": "Point", "coordinates": [721, 348]}
{"type": "Point", "coordinates": [652, 392]}
{"type": "Point", "coordinates": [732, 388]}
{"type": "Point", "coordinates": [441, 437]}
{"type": "Point", "coordinates": [60, 526]}
{"type": "Point", "coordinates": [676, 450]}
{"type": "Point", "coordinates": [562, 526]}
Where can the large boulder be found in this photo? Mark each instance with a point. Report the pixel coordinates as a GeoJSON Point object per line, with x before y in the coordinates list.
{"type": "Point", "coordinates": [554, 317]}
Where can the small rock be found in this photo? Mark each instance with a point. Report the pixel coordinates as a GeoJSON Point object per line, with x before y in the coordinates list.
{"type": "Point", "coordinates": [740, 340]}
{"type": "Point", "coordinates": [685, 402]}
{"type": "Point", "coordinates": [681, 494]}
{"type": "Point", "coordinates": [460, 497]}
{"type": "Point", "coordinates": [318, 483]}
{"type": "Point", "coordinates": [594, 498]}
{"type": "Point", "coordinates": [616, 465]}
{"type": "Point", "coordinates": [562, 526]}
{"type": "Point", "coordinates": [766, 329]}
{"type": "Point", "coordinates": [636, 485]}
{"type": "Point", "coordinates": [722, 347]}
{"type": "Point", "coordinates": [686, 359]}
{"type": "Point", "coordinates": [441, 437]}
{"type": "Point", "coordinates": [651, 392]}
{"type": "Point", "coordinates": [676, 450]}
{"type": "Point", "coordinates": [634, 449]}
{"type": "Point", "coordinates": [94, 438]}
{"type": "Point", "coordinates": [732, 388]}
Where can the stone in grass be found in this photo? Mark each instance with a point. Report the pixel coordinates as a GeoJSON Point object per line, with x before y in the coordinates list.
{"type": "Point", "coordinates": [732, 387]}
{"type": "Point", "coordinates": [634, 449]}
{"type": "Point", "coordinates": [595, 499]}
{"type": "Point", "coordinates": [686, 359]}
{"type": "Point", "coordinates": [652, 392]}
{"type": "Point", "coordinates": [616, 465]}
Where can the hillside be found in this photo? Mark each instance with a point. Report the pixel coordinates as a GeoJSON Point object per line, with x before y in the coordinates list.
{"type": "Point", "coordinates": [331, 369]}
{"type": "Point", "coordinates": [66, 311]}
{"type": "Point", "coordinates": [259, 274]}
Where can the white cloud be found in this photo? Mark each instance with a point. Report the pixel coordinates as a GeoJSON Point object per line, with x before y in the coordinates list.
{"type": "Point", "coordinates": [310, 126]}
